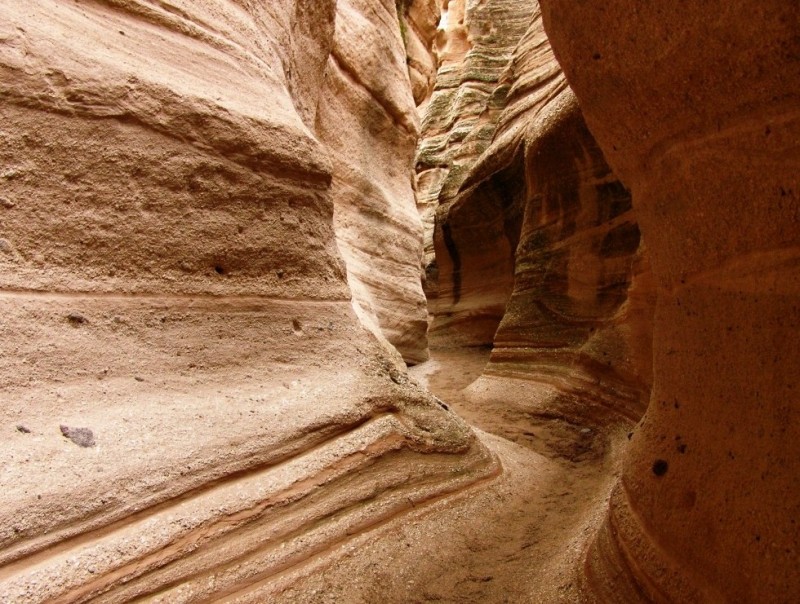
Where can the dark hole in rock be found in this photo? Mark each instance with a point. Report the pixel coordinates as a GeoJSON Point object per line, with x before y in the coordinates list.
{"type": "Point", "coordinates": [660, 467]}
{"type": "Point", "coordinates": [76, 319]}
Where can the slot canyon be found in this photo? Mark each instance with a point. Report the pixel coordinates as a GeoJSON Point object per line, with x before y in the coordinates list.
{"type": "Point", "coordinates": [400, 301]}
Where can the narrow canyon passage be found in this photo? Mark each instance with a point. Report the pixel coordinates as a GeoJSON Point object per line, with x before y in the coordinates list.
{"type": "Point", "coordinates": [364, 302]}
{"type": "Point", "coordinates": [518, 538]}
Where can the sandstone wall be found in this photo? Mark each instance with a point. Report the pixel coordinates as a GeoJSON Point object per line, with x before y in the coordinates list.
{"type": "Point", "coordinates": [368, 119]}
{"type": "Point", "coordinates": [474, 47]}
{"type": "Point", "coordinates": [695, 106]}
{"type": "Point", "coordinates": [189, 403]}
{"type": "Point", "coordinates": [419, 23]}
{"type": "Point", "coordinates": [537, 247]}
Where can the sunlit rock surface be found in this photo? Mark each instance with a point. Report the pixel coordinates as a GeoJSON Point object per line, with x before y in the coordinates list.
{"type": "Point", "coordinates": [368, 120]}
{"type": "Point", "coordinates": [190, 403]}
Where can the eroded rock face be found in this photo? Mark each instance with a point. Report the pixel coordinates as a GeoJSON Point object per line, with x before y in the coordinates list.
{"type": "Point", "coordinates": [419, 22]}
{"type": "Point", "coordinates": [474, 47]}
{"type": "Point", "coordinates": [172, 284]}
{"type": "Point", "coordinates": [537, 246]}
{"type": "Point", "coordinates": [368, 120]}
{"type": "Point", "coordinates": [695, 106]}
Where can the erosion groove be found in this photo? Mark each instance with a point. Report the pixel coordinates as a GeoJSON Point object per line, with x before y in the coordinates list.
{"type": "Point", "coordinates": [61, 539]}
{"type": "Point", "coordinates": [159, 544]}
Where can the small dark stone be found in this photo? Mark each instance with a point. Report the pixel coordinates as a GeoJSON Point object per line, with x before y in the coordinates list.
{"type": "Point", "coordinates": [660, 467]}
{"type": "Point", "coordinates": [76, 318]}
{"type": "Point", "coordinates": [138, 378]}
{"type": "Point", "coordinates": [681, 448]}
{"type": "Point", "coordinates": [83, 437]}
{"type": "Point", "coordinates": [630, 435]}
{"type": "Point", "coordinates": [23, 429]}
{"type": "Point", "coordinates": [443, 406]}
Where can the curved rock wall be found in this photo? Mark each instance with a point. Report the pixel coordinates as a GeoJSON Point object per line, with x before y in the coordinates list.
{"type": "Point", "coordinates": [367, 118]}
{"type": "Point", "coordinates": [537, 246]}
{"type": "Point", "coordinates": [190, 404]}
{"type": "Point", "coordinates": [695, 106]}
{"type": "Point", "coordinates": [419, 22]}
{"type": "Point", "coordinates": [474, 48]}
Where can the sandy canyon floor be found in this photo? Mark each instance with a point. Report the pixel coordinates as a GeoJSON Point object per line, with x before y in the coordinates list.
{"type": "Point", "coordinates": [518, 537]}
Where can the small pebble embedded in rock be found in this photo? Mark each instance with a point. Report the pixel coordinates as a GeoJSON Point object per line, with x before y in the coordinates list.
{"type": "Point", "coordinates": [23, 429]}
{"type": "Point", "coordinates": [76, 319]}
{"type": "Point", "coordinates": [83, 437]}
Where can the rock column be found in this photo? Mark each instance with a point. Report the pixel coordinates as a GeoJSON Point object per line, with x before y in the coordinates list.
{"type": "Point", "coordinates": [696, 107]}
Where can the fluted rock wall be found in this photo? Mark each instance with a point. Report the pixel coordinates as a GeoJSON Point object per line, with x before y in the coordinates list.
{"type": "Point", "coordinates": [419, 23]}
{"type": "Point", "coordinates": [537, 247]}
{"type": "Point", "coordinates": [368, 119]}
{"type": "Point", "coordinates": [189, 403]}
{"type": "Point", "coordinates": [474, 47]}
{"type": "Point", "coordinates": [695, 106]}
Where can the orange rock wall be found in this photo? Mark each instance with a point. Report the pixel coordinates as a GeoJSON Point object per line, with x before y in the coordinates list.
{"type": "Point", "coordinates": [473, 48]}
{"type": "Point", "coordinates": [538, 250]}
{"type": "Point", "coordinates": [695, 106]}
{"type": "Point", "coordinates": [367, 119]}
{"type": "Point", "coordinates": [173, 179]}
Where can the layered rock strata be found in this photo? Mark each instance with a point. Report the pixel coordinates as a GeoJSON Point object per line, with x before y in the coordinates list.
{"type": "Point", "coordinates": [191, 405]}
{"type": "Point", "coordinates": [368, 120]}
{"type": "Point", "coordinates": [474, 46]}
{"type": "Point", "coordinates": [538, 249]}
{"type": "Point", "coordinates": [695, 107]}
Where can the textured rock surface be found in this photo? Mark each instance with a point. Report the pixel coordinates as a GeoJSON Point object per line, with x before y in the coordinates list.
{"type": "Point", "coordinates": [474, 47]}
{"type": "Point", "coordinates": [419, 21]}
{"type": "Point", "coordinates": [368, 120]}
{"type": "Point", "coordinates": [537, 247]}
{"type": "Point", "coordinates": [695, 105]}
{"type": "Point", "coordinates": [171, 283]}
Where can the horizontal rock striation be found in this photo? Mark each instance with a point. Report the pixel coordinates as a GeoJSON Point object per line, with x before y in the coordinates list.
{"type": "Point", "coordinates": [474, 47]}
{"type": "Point", "coordinates": [695, 106]}
{"type": "Point", "coordinates": [368, 120]}
{"type": "Point", "coordinates": [538, 250]}
{"type": "Point", "coordinates": [172, 284]}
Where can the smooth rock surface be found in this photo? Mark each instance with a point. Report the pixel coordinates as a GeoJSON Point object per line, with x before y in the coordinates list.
{"type": "Point", "coordinates": [367, 118]}
{"type": "Point", "coordinates": [695, 106]}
